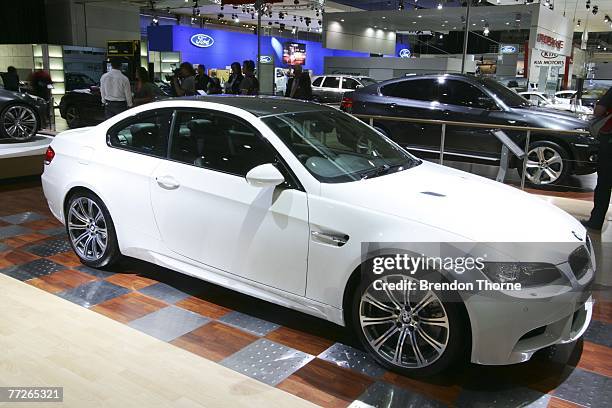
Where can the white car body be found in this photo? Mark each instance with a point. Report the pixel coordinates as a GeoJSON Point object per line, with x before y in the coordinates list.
{"type": "Point", "coordinates": [272, 244]}
{"type": "Point", "coordinates": [564, 104]}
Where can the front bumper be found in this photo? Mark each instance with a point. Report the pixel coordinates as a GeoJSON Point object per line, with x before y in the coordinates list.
{"type": "Point", "coordinates": [585, 158]}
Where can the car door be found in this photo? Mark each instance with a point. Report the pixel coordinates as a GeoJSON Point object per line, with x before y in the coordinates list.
{"type": "Point", "coordinates": [412, 98]}
{"type": "Point", "coordinates": [206, 211]}
{"type": "Point", "coordinates": [462, 101]}
{"type": "Point", "coordinates": [331, 89]}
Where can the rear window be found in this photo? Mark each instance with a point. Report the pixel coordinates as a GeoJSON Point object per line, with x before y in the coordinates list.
{"type": "Point", "coordinates": [317, 81]}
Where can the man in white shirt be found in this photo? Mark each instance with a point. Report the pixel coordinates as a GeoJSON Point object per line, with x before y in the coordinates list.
{"type": "Point", "coordinates": [115, 91]}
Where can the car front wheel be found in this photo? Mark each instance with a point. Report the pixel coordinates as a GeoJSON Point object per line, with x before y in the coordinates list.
{"type": "Point", "coordinates": [411, 332]}
{"type": "Point", "coordinates": [91, 230]}
{"type": "Point", "coordinates": [19, 122]}
{"type": "Point", "coordinates": [547, 164]}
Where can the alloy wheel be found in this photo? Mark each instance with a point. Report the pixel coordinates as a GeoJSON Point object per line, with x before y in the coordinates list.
{"type": "Point", "coordinates": [409, 329]}
{"type": "Point", "coordinates": [544, 165]}
{"type": "Point", "coordinates": [87, 229]}
{"type": "Point", "coordinates": [19, 122]}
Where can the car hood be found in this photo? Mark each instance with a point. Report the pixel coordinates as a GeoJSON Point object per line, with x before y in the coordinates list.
{"type": "Point", "coordinates": [463, 204]}
{"type": "Point", "coordinates": [551, 118]}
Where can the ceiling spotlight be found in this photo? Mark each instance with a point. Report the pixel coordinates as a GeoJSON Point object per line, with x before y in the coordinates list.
{"type": "Point", "coordinates": [441, 36]}
{"type": "Point", "coordinates": [296, 2]}
{"type": "Point", "coordinates": [294, 30]}
{"type": "Point", "coordinates": [236, 19]}
{"type": "Point", "coordinates": [578, 23]}
{"type": "Point", "coordinates": [155, 20]}
{"type": "Point", "coordinates": [517, 18]}
{"type": "Point", "coordinates": [588, 4]}
{"type": "Point", "coordinates": [400, 5]}
{"type": "Point", "coordinates": [439, 6]}
{"type": "Point", "coordinates": [595, 10]}
{"type": "Point", "coordinates": [486, 29]}
{"type": "Point", "coordinates": [607, 18]}
{"type": "Point", "coordinates": [220, 16]}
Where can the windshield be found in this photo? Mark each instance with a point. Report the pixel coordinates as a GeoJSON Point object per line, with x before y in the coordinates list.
{"type": "Point", "coordinates": [367, 81]}
{"type": "Point", "coordinates": [506, 95]}
{"type": "Point", "coordinates": [337, 148]}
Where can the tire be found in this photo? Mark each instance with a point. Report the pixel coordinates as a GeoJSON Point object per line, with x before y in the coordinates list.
{"type": "Point", "coordinates": [19, 122]}
{"type": "Point", "coordinates": [91, 230]}
{"type": "Point", "coordinates": [452, 340]}
{"type": "Point", "coordinates": [73, 116]}
{"type": "Point", "coordinates": [548, 164]}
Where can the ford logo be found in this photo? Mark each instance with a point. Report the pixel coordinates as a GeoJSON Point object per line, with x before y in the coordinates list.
{"type": "Point", "coordinates": [508, 49]}
{"type": "Point", "coordinates": [405, 53]}
{"type": "Point", "coordinates": [548, 55]}
{"type": "Point", "coordinates": [265, 59]}
{"type": "Point", "coordinates": [202, 40]}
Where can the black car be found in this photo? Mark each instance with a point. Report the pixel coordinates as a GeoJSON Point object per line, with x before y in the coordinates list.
{"type": "Point", "coordinates": [21, 115]}
{"type": "Point", "coordinates": [462, 98]}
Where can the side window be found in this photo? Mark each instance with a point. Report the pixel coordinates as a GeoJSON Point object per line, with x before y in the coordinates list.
{"type": "Point", "coordinates": [416, 89]}
{"type": "Point", "coordinates": [317, 81]}
{"type": "Point", "coordinates": [331, 82]}
{"type": "Point", "coordinates": [349, 83]}
{"type": "Point", "coordinates": [147, 133]}
{"type": "Point", "coordinates": [218, 141]}
{"type": "Point", "coordinates": [461, 93]}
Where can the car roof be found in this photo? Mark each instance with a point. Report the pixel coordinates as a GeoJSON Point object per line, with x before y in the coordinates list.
{"type": "Point", "coordinates": [262, 105]}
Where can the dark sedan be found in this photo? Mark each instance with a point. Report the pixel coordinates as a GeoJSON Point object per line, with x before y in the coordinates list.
{"type": "Point", "coordinates": [21, 115]}
{"type": "Point", "coordinates": [453, 97]}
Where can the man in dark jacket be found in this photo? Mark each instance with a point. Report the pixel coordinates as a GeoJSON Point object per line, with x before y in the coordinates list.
{"type": "Point", "coordinates": [202, 80]}
{"type": "Point", "coordinates": [232, 86]}
{"type": "Point", "coordinates": [299, 86]}
{"type": "Point", "coordinates": [11, 79]}
{"type": "Point", "coordinates": [603, 189]}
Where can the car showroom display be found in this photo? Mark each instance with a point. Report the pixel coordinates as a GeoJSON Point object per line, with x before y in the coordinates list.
{"type": "Point", "coordinates": [462, 98]}
{"type": "Point", "coordinates": [274, 198]}
{"type": "Point", "coordinates": [568, 97]}
{"type": "Point", "coordinates": [544, 101]}
{"type": "Point", "coordinates": [330, 88]}
{"type": "Point", "coordinates": [21, 115]}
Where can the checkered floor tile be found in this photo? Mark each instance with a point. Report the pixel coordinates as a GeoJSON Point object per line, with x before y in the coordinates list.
{"type": "Point", "coordinates": [302, 355]}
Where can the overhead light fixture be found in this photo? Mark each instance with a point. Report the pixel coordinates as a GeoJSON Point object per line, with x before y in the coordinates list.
{"type": "Point", "coordinates": [486, 29]}
{"type": "Point", "coordinates": [607, 18]}
{"type": "Point", "coordinates": [595, 10]}
{"type": "Point", "coordinates": [517, 18]}
{"type": "Point", "coordinates": [440, 6]}
{"type": "Point", "coordinates": [441, 36]}
{"type": "Point", "coordinates": [236, 19]}
{"type": "Point", "coordinates": [578, 23]}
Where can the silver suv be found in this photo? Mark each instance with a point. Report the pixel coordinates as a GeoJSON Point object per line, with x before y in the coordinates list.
{"type": "Point", "coordinates": [330, 88]}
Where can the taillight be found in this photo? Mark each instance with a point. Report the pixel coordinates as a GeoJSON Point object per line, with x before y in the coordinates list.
{"type": "Point", "coordinates": [346, 104]}
{"type": "Point", "coordinates": [49, 155]}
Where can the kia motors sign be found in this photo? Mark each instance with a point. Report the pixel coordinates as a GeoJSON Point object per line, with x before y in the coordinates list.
{"type": "Point", "coordinates": [549, 59]}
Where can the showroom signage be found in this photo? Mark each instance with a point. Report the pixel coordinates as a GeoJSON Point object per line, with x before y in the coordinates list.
{"type": "Point", "coordinates": [508, 49]}
{"type": "Point", "coordinates": [550, 41]}
{"type": "Point", "coordinates": [405, 53]}
{"type": "Point", "coordinates": [202, 40]}
{"type": "Point", "coordinates": [265, 59]}
{"type": "Point", "coordinates": [548, 59]}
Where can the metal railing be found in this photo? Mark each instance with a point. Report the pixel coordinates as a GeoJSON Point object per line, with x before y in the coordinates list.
{"type": "Point", "coordinates": [491, 126]}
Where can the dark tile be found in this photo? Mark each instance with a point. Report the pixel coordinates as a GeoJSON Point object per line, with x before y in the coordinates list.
{"type": "Point", "coordinates": [164, 292]}
{"type": "Point", "coordinates": [22, 217]}
{"type": "Point", "coordinates": [383, 395]}
{"type": "Point", "coordinates": [586, 388]}
{"type": "Point", "coordinates": [503, 398]}
{"type": "Point", "coordinates": [599, 333]}
{"type": "Point", "coordinates": [169, 323]}
{"type": "Point", "coordinates": [98, 273]}
{"type": "Point", "coordinates": [49, 248]}
{"type": "Point", "coordinates": [33, 269]}
{"type": "Point", "coordinates": [52, 232]}
{"type": "Point", "coordinates": [13, 230]}
{"type": "Point", "coordinates": [93, 293]}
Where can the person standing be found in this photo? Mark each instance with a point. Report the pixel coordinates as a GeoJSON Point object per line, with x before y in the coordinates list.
{"type": "Point", "coordinates": [214, 85]}
{"type": "Point", "coordinates": [39, 84]}
{"type": "Point", "coordinates": [249, 84]}
{"type": "Point", "coordinates": [184, 83]}
{"type": "Point", "coordinates": [601, 199]}
{"type": "Point", "coordinates": [232, 86]}
{"type": "Point", "coordinates": [202, 80]}
{"type": "Point", "coordinates": [11, 79]}
{"type": "Point", "coordinates": [144, 91]}
{"type": "Point", "coordinates": [299, 86]}
{"type": "Point", "coordinates": [115, 91]}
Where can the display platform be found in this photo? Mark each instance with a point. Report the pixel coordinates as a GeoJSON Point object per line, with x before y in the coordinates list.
{"type": "Point", "coordinates": [23, 159]}
{"type": "Point", "coordinates": [290, 351]}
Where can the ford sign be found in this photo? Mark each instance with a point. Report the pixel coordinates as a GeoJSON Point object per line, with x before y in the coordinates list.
{"type": "Point", "coordinates": [202, 40]}
{"type": "Point", "coordinates": [265, 59]}
{"type": "Point", "coordinates": [405, 53]}
{"type": "Point", "coordinates": [507, 49]}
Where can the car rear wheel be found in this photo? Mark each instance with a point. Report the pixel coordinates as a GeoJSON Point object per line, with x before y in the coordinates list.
{"type": "Point", "coordinates": [73, 116]}
{"type": "Point", "coordinates": [547, 164]}
{"type": "Point", "coordinates": [91, 230]}
{"type": "Point", "coordinates": [19, 122]}
{"type": "Point", "coordinates": [414, 333]}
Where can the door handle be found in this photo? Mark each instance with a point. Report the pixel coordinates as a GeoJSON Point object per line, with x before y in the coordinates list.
{"type": "Point", "coordinates": [330, 238]}
{"type": "Point", "coordinates": [167, 182]}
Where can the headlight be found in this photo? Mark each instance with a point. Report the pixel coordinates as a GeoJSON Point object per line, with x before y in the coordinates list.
{"type": "Point", "coordinates": [527, 274]}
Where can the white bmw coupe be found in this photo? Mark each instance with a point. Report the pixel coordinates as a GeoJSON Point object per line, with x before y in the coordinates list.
{"type": "Point", "coordinates": [275, 198]}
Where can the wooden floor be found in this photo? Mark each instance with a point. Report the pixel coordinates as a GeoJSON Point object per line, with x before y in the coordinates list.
{"type": "Point", "coordinates": [48, 341]}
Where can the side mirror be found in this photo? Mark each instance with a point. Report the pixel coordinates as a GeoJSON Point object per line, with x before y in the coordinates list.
{"type": "Point", "coordinates": [264, 175]}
